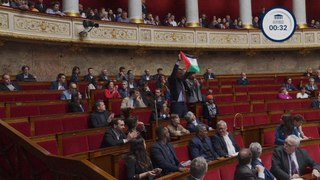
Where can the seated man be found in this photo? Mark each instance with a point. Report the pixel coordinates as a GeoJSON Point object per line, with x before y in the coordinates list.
{"type": "Point", "coordinates": [289, 161]}
{"type": "Point", "coordinates": [244, 169]}
{"type": "Point", "coordinates": [146, 77]}
{"type": "Point", "coordinates": [200, 145]}
{"type": "Point", "coordinates": [193, 122]}
{"type": "Point", "coordinates": [100, 117]}
{"type": "Point", "coordinates": [60, 83]}
{"type": "Point", "coordinates": [124, 90]}
{"type": "Point", "coordinates": [25, 75]}
{"type": "Point", "coordinates": [133, 101]}
{"type": "Point", "coordinates": [288, 85]}
{"type": "Point", "coordinates": [243, 80]}
{"type": "Point", "coordinates": [90, 77]}
{"type": "Point", "coordinates": [67, 94]}
{"type": "Point", "coordinates": [316, 103]}
{"type": "Point", "coordinates": [256, 151]}
{"type": "Point", "coordinates": [104, 75]}
{"type": "Point", "coordinates": [7, 85]}
{"type": "Point", "coordinates": [115, 135]}
{"type": "Point", "coordinates": [175, 128]}
{"type": "Point", "coordinates": [198, 169]}
{"type": "Point", "coordinates": [224, 142]}
{"type": "Point", "coordinates": [163, 154]}
{"type": "Point", "coordinates": [208, 74]}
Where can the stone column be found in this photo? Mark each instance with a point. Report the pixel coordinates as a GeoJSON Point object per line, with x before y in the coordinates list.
{"type": "Point", "coordinates": [135, 11]}
{"type": "Point", "coordinates": [246, 13]}
{"type": "Point", "coordinates": [192, 13]}
{"type": "Point", "coordinates": [71, 7]}
{"type": "Point", "coordinates": [299, 10]}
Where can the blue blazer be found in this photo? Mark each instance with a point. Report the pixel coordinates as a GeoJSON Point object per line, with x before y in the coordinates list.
{"type": "Point", "coordinates": [196, 149]}
{"type": "Point", "coordinates": [160, 158]}
{"type": "Point", "coordinates": [267, 173]}
{"type": "Point", "coordinates": [55, 85]}
{"type": "Point", "coordinates": [192, 128]}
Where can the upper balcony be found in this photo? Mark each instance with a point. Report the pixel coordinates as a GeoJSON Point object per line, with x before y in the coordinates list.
{"type": "Point", "coordinates": [22, 25]}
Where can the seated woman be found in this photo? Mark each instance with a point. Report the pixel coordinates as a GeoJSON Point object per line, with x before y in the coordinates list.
{"type": "Point", "coordinates": [302, 94]}
{"type": "Point", "coordinates": [256, 151]}
{"type": "Point", "coordinates": [284, 94]}
{"type": "Point", "coordinates": [134, 124]}
{"type": "Point", "coordinates": [138, 164]}
{"type": "Point", "coordinates": [175, 128]}
{"type": "Point", "coordinates": [76, 103]}
{"type": "Point", "coordinates": [111, 91]}
{"type": "Point", "coordinates": [285, 129]}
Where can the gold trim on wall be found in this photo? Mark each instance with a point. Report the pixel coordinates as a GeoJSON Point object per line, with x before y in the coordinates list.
{"type": "Point", "coordinates": [192, 24]}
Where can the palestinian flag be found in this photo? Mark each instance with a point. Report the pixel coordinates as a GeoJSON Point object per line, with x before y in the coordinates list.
{"type": "Point", "coordinates": [190, 62]}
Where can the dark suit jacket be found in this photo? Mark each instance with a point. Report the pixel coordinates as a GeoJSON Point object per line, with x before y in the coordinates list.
{"type": "Point", "coordinates": [176, 84]}
{"type": "Point", "coordinates": [89, 79]}
{"type": "Point", "coordinates": [143, 78]}
{"type": "Point", "coordinates": [280, 163]}
{"type": "Point", "coordinates": [3, 87]}
{"type": "Point", "coordinates": [159, 157]}
{"type": "Point", "coordinates": [74, 78]}
{"type": "Point", "coordinates": [206, 76]}
{"type": "Point", "coordinates": [110, 139]}
{"type": "Point", "coordinates": [192, 128]}
{"type": "Point", "coordinates": [220, 145]}
{"type": "Point", "coordinates": [20, 77]}
{"type": "Point", "coordinates": [99, 119]}
{"type": "Point", "coordinates": [55, 85]}
{"type": "Point", "coordinates": [75, 107]}
{"type": "Point", "coordinates": [103, 78]}
{"type": "Point", "coordinates": [196, 148]}
{"type": "Point", "coordinates": [315, 104]}
{"type": "Point", "coordinates": [242, 81]}
{"type": "Point", "coordinates": [41, 9]}
{"type": "Point", "coordinates": [243, 172]}
{"type": "Point", "coordinates": [267, 174]}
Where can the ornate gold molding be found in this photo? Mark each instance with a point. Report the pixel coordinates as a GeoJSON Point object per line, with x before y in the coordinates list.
{"type": "Point", "coordinates": [137, 21]}
{"type": "Point", "coordinates": [192, 24]}
{"type": "Point", "coordinates": [303, 26]}
{"type": "Point", "coordinates": [72, 14]}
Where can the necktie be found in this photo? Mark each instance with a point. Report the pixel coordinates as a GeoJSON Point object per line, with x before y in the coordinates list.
{"type": "Point", "coordinates": [293, 166]}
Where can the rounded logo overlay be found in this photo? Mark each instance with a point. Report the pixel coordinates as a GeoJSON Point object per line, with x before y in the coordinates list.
{"type": "Point", "coordinates": [278, 24]}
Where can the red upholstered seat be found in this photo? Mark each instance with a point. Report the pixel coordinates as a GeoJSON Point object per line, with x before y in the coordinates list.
{"type": "Point", "coordinates": [114, 106]}
{"type": "Point", "coordinates": [239, 140]}
{"type": "Point", "coordinates": [75, 123]}
{"type": "Point", "coordinates": [266, 159]}
{"type": "Point", "coordinates": [212, 82]}
{"type": "Point", "coordinates": [312, 115]}
{"type": "Point", "coordinates": [143, 114]}
{"type": "Point", "coordinates": [226, 109]}
{"type": "Point", "coordinates": [313, 151]}
{"type": "Point", "coordinates": [23, 127]}
{"type": "Point", "coordinates": [213, 174]}
{"type": "Point", "coordinates": [275, 106]}
{"type": "Point", "coordinates": [51, 146]}
{"type": "Point", "coordinates": [223, 98]}
{"type": "Point", "coordinates": [258, 106]}
{"type": "Point", "coordinates": [41, 97]}
{"type": "Point", "coordinates": [2, 111]}
{"type": "Point", "coordinates": [77, 144]}
{"type": "Point", "coordinates": [261, 119]}
{"type": "Point", "coordinates": [227, 171]}
{"type": "Point", "coordinates": [242, 108]}
{"type": "Point", "coordinates": [22, 111]}
{"type": "Point", "coordinates": [247, 121]}
{"type": "Point", "coordinates": [305, 103]}
{"type": "Point", "coordinates": [122, 170]}
{"type": "Point", "coordinates": [48, 127]}
{"type": "Point", "coordinates": [227, 89]}
{"type": "Point", "coordinates": [290, 105]}
{"type": "Point", "coordinates": [97, 94]}
{"type": "Point", "coordinates": [241, 97]}
{"type": "Point", "coordinates": [182, 153]}
{"type": "Point", "coordinates": [241, 89]}
{"type": "Point", "coordinates": [275, 116]}
{"type": "Point", "coordinates": [268, 138]}
{"type": "Point", "coordinates": [54, 109]}
{"type": "Point", "coordinates": [227, 82]}
{"type": "Point", "coordinates": [311, 131]}
{"type": "Point", "coordinates": [94, 140]}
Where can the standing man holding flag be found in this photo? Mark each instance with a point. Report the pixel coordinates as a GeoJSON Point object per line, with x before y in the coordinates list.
{"type": "Point", "coordinates": [177, 84]}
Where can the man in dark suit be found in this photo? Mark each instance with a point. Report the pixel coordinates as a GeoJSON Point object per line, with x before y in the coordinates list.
{"type": "Point", "coordinates": [243, 80]}
{"type": "Point", "coordinates": [178, 90]}
{"type": "Point", "coordinates": [100, 117]}
{"type": "Point", "coordinates": [198, 169]}
{"type": "Point", "coordinates": [289, 161]}
{"type": "Point", "coordinates": [41, 6]}
{"type": "Point", "coordinates": [60, 83]}
{"type": "Point", "coordinates": [316, 103]}
{"type": "Point", "coordinates": [208, 74]}
{"type": "Point", "coordinates": [163, 154]}
{"type": "Point", "coordinates": [200, 145]}
{"type": "Point", "coordinates": [224, 142]}
{"type": "Point", "coordinates": [192, 122]}
{"type": "Point", "coordinates": [90, 77]}
{"type": "Point", "coordinates": [244, 169]}
{"type": "Point", "coordinates": [115, 135]}
{"type": "Point", "coordinates": [7, 85]}
{"type": "Point", "coordinates": [146, 77]}
{"type": "Point", "coordinates": [25, 75]}
{"type": "Point", "coordinates": [104, 76]}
